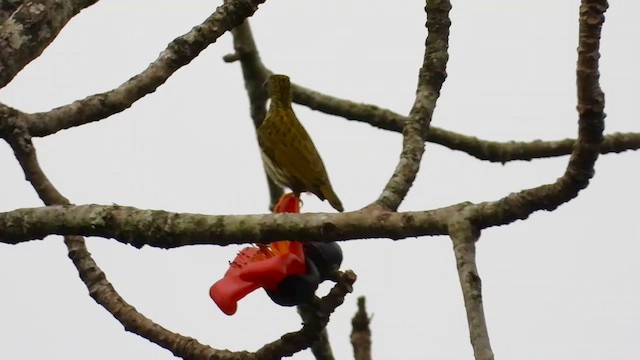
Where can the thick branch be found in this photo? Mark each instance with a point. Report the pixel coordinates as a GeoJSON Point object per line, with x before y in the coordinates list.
{"type": "Point", "coordinates": [31, 27]}
{"type": "Point", "coordinates": [7, 7]}
{"type": "Point", "coordinates": [585, 152]}
{"type": "Point", "coordinates": [430, 80]}
{"type": "Point", "coordinates": [464, 237]}
{"type": "Point", "coordinates": [177, 54]}
{"type": "Point", "coordinates": [168, 230]}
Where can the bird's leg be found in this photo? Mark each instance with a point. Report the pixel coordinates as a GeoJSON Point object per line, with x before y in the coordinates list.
{"type": "Point", "coordinates": [297, 196]}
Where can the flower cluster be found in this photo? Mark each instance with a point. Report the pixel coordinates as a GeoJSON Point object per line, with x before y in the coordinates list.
{"type": "Point", "coordinates": [289, 271]}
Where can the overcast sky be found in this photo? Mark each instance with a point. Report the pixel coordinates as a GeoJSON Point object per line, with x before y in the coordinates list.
{"type": "Point", "coordinates": [560, 285]}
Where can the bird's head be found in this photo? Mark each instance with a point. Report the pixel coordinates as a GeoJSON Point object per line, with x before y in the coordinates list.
{"type": "Point", "coordinates": [279, 88]}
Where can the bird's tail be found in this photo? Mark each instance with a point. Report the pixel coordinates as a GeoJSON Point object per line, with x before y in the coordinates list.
{"type": "Point", "coordinates": [330, 195]}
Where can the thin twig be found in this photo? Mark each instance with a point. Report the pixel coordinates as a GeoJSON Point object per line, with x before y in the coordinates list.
{"type": "Point", "coordinates": [361, 333]}
{"type": "Point", "coordinates": [430, 80]}
{"type": "Point", "coordinates": [291, 343]}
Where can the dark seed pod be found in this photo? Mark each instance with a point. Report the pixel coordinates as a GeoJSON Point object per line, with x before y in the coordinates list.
{"type": "Point", "coordinates": [296, 289]}
{"type": "Point", "coordinates": [325, 256]}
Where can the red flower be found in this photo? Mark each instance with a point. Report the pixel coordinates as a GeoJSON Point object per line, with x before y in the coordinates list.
{"type": "Point", "coordinates": [260, 266]}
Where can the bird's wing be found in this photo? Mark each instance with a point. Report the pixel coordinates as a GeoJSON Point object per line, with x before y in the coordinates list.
{"type": "Point", "coordinates": [299, 155]}
{"type": "Point", "coordinates": [264, 133]}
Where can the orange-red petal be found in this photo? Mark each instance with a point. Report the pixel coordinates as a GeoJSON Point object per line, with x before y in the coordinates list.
{"type": "Point", "coordinates": [227, 291]}
{"type": "Point", "coordinates": [268, 273]}
{"type": "Point", "coordinates": [263, 266]}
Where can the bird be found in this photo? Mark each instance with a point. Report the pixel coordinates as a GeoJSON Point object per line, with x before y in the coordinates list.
{"type": "Point", "coordinates": [289, 155]}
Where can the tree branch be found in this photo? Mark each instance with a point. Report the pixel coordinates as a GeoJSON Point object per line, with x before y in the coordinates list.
{"type": "Point", "coordinates": [24, 151]}
{"type": "Point", "coordinates": [29, 29]}
{"type": "Point", "coordinates": [361, 334]}
{"type": "Point", "coordinates": [7, 7]}
{"type": "Point", "coordinates": [291, 343]}
{"type": "Point", "coordinates": [178, 53]}
{"type": "Point", "coordinates": [493, 151]}
{"type": "Point", "coordinates": [430, 80]}
{"type": "Point", "coordinates": [255, 75]}
{"type": "Point", "coordinates": [464, 237]}
{"type": "Point", "coordinates": [321, 348]}
{"type": "Point", "coordinates": [585, 151]}
{"type": "Point", "coordinates": [164, 229]}
{"type": "Point", "coordinates": [100, 289]}
{"type": "Point", "coordinates": [253, 71]}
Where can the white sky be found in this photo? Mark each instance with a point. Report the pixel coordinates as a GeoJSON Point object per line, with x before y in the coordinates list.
{"type": "Point", "coordinates": [560, 285]}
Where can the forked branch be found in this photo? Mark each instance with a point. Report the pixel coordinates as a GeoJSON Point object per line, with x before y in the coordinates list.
{"type": "Point", "coordinates": [430, 79]}
{"type": "Point", "coordinates": [99, 287]}
{"type": "Point", "coordinates": [580, 168]}
{"type": "Point", "coordinates": [178, 53]}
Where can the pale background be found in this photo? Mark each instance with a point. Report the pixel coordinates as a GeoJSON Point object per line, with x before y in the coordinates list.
{"type": "Point", "coordinates": [560, 285]}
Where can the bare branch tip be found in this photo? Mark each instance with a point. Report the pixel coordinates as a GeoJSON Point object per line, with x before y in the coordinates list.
{"type": "Point", "coordinates": [230, 58]}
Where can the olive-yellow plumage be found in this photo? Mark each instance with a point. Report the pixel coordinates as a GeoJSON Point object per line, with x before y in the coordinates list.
{"type": "Point", "coordinates": [289, 156]}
